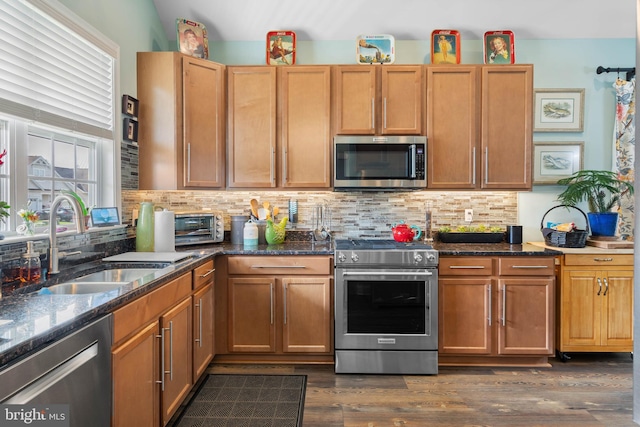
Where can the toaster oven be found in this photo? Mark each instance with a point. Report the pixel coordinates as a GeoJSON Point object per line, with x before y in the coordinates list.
{"type": "Point", "coordinates": [195, 228]}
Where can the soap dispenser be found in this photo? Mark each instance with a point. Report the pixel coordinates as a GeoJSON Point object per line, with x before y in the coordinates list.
{"type": "Point", "coordinates": [30, 269]}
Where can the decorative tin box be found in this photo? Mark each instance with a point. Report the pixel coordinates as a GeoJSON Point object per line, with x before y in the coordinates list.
{"type": "Point", "coordinates": [499, 47]}
{"type": "Point", "coordinates": [281, 48]}
{"type": "Point", "coordinates": [376, 49]}
{"type": "Point", "coordinates": [445, 47]}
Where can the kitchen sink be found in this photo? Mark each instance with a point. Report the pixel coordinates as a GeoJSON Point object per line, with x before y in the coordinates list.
{"type": "Point", "coordinates": [75, 288]}
{"type": "Point", "coordinates": [117, 275]}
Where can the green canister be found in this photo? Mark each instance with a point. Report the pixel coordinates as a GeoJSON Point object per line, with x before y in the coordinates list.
{"type": "Point", "coordinates": [144, 228]}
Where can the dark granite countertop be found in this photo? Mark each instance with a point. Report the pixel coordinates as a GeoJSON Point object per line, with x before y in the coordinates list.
{"type": "Point", "coordinates": [29, 320]}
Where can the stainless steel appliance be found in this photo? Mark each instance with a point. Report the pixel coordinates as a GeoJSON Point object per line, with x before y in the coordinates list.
{"type": "Point", "coordinates": [386, 307]}
{"type": "Point", "coordinates": [196, 228]}
{"type": "Point", "coordinates": [74, 371]}
{"type": "Point", "coordinates": [380, 162]}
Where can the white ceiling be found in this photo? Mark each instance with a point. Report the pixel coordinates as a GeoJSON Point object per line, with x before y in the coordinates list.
{"type": "Point", "coordinates": [250, 20]}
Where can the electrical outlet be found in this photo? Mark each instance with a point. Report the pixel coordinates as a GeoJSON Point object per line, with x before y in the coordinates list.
{"type": "Point", "coordinates": [468, 215]}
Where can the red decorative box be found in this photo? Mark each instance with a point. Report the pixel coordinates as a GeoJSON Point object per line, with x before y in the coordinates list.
{"type": "Point", "coordinates": [445, 47]}
{"type": "Point", "coordinates": [499, 47]}
{"type": "Point", "coordinates": [281, 48]}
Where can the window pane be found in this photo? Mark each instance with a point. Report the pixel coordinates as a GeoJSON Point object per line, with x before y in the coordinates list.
{"type": "Point", "coordinates": [39, 152]}
{"type": "Point", "coordinates": [64, 160]}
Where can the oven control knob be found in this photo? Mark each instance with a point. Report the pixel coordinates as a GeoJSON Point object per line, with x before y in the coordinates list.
{"type": "Point", "coordinates": [342, 257]}
{"type": "Point", "coordinates": [431, 258]}
{"type": "Point", "coordinates": [417, 258]}
{"type": "Point", "coordinates": [354, 257]}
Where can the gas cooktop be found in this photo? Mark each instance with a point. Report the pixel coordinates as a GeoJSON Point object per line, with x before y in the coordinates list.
{"type": "Point", "coordinates": [375, 244]}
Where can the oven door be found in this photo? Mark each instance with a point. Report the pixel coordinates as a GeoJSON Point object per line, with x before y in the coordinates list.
{"type": "Point", "coordinates": [389, 309]}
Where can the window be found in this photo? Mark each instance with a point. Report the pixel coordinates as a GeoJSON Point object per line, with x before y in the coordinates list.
{"type": "Point", "coordinates": [57, 109]}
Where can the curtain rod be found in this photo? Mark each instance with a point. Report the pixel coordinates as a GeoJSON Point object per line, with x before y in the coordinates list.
{"type": "Point", "coordinates": [630, 71]}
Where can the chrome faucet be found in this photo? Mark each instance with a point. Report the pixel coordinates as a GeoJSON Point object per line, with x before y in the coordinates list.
{"type": "Point", "coordinates": [53, 238]}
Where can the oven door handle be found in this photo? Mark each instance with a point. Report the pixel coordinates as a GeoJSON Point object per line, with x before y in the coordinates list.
{"type": "Point", "coordinates": [388, 273]}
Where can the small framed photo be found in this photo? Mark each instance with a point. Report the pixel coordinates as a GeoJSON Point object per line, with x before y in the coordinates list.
{"type": "Point", "coordinates": [375, 49]}
{"type": "Point", "coordinates": [130, 129]}
{"type": "Point", "coordinates": [559, 110]}
{"type": "Point", "coordinates": [445, 47]}
{"type": "Point", "coordinates": [499, 47]}
{"type": "Point", "coordinates": [556, 160]}
{"type": "Point", "coordinates": [192, 38]}
{"type": "Point", "coordinates": [281, 48]}
{"type": "Point", "coordinates": [129, 106]}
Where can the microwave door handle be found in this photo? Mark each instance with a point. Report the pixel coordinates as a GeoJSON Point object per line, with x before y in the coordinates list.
{"type": "Point", "coordinates": [412, 160]}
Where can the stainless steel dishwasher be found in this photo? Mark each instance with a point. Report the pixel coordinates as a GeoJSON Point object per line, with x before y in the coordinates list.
{"type": "Point", "coordinates": [75, 371]}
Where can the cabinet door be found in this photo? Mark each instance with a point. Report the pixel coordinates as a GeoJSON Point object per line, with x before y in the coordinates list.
{"type": "Point", "coordinates": [465, 318]}
{"type": "Point", "coordinates": [617, 309]}
{"type": "Point", "coordinates": [306, 305]}
{"type": "Point", "coordinates": [251, 126]}
{"type": "Point", "coordinates": [136, 393]}
{"type": "Point", "coordinates": [176, 358]}
{"type": "Point", "coordinates": [305, 134]}
{"type": "Point", "coordinates": [203, 338]}
{"type": "Point", "coordinates": [203, 123]}
{"type": "Point", "coordinates": [402, 100]}
{"type": "Point", "coordinates": [452, 126]}
{"type": "Point", "coordinates": [581, 308]}
{"type": "Point", "coordinates": [354, 101]}
{"type": "Point", "coordinates": [525, 316]}
{"type": "Point", "coordinates": [252, 315]}
{"type": "Point", "coordinates": [507, 126]}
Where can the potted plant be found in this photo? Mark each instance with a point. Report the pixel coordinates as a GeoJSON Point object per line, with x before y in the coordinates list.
{"type": "Point", "coordinates": [602, 190]}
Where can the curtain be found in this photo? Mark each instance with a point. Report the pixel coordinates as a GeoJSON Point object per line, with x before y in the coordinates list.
{"type": "Point", "coordinates": [625, 130]}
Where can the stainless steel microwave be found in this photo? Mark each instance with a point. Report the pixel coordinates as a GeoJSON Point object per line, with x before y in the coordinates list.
{"type": "Point", "coordinates": [380, 162]}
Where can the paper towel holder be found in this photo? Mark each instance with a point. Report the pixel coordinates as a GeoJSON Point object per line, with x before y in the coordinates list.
{"type": "Point", "coordinates": [104, 217]}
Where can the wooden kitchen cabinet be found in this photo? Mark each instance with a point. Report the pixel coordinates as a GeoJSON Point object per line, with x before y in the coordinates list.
{"type": "Point", "coordinates": [181, 122]}
{"type": "Point", "coordinates": [495, 310]}
{"type": "Point", "coordinates": [384, 100]}
{"type": "Point", "coordinates": [203, 332]}
{"type": "Point", "coordinates": [479, 126]}
{"type": "Point", "coordinates": [152, 355]}
{"type": "Point", "coordinates": [595, 310]}
{"type": "Point", "coordinates": [279, 127]}
{"type": "Point", "coordinates": [278, 309]}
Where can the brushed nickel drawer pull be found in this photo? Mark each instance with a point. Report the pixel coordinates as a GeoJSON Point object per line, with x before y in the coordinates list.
{"type": "Point", "coordinates": [208, 273]}
{"type": "Point", "coordinates": [278, 266]}
{"type": "Point", "coordinates": [529, 266]}
{"type": "Point", "coordinates": [466, 267]}
{"type": "Point", "coordinates": [599, 286]}
{"type": "Point", "coordinates": [606, 286]}
{"type": "Point", "coordinates": [603, 259]}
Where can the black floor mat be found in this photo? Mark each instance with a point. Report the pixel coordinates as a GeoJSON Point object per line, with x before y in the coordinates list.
{"type": "Point", "coordinates": [246, 400]}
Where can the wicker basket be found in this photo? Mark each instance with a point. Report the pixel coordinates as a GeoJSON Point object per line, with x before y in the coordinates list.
{"type": "Point", "coordinates": [565, 239]}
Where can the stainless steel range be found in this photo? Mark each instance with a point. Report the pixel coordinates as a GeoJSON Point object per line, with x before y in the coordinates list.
{"type": "Point", "coordinates": [386, 307]}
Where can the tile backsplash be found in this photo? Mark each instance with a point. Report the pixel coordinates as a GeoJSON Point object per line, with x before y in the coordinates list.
{"type": "Point", "coordinates": [353, 214]}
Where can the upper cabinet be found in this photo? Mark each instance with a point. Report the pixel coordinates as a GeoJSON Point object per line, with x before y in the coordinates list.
{"type": "Point", "coordinates": [378, 100]}
{"type": "Point", "coordinates": [181, 118]}
{"type": "Point", "coordinates": [479, 126]}
{"type": "Point", "coordinates": [279, 127]}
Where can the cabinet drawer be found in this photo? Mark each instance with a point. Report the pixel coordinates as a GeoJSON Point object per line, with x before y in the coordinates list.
{"type": "Point", "coordinates": [279, 265]}
{"type": "Point", "coordinates": [203, 274]}
{"type": "Point", "coordinates": [597, 260]}
{"type": "Point", "coordinates": [465, 266]}
{"type": "Point", "coordinates": [526, 266]}
{"type": "Point", "coordinates": [138, 313]}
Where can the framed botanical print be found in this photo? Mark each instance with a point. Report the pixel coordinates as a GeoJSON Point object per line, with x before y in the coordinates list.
{"type": "Point", "coordinates": [556, 160]}
{"type": "Point", "coordinates": [499, 47]}
{"type": "Point", "coordinates": [559, 110]}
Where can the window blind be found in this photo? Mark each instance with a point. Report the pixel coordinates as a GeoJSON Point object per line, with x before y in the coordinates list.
{"type": "Point", "coordinates": [50, 74]}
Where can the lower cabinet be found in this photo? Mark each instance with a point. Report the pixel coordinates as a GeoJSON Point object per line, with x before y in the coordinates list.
{"type": "Point", "coordinates": [163, 342]}
{"type": "Point", "coordinates": [277, 308]}
{"type": "Point", "coordinates": [496, 310]}
{"type": "Point", "coordinates": [595, 303]}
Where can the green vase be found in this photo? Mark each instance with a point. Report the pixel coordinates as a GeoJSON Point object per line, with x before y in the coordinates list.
{"type": "Point", "coordinates": [144, 228]}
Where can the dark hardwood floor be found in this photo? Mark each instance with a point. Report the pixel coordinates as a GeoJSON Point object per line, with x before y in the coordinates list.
{"type": "Point", "coordinates": [589, 390]}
